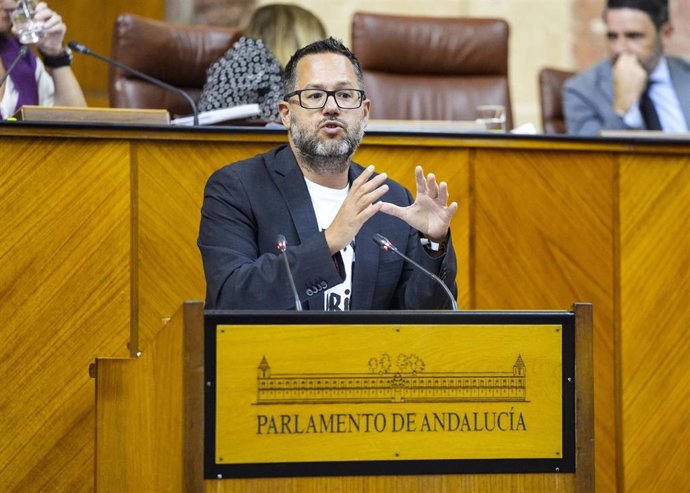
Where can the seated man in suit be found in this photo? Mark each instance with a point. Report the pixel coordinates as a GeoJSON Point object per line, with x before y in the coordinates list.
{"type": "Point", "coordinates": [326, 206]}
{"type": "Point", "coordinates": [638, 87]}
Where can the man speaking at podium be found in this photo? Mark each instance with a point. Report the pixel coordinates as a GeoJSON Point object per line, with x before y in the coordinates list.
{"type": "Point", "coordinates": [327, 208]}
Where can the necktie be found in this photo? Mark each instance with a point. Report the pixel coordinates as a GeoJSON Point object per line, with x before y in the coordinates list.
{"type": "Point", "coordinates": [649, 115]}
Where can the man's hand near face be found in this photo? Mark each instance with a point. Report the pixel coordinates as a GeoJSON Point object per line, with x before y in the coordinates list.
{"type": "Point", "coordinates": [629, 81]}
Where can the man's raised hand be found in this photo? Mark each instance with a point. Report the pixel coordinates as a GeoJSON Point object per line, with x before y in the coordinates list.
{"type": "Point", "coordinates": [429, 214]}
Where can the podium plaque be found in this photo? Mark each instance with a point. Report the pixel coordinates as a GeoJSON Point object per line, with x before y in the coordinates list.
{"type": "Point", "coordinates": [371, 393]}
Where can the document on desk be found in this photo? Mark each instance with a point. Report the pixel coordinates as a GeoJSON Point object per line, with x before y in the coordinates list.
{"type": "Point", "coordinates": [224, 114]}
{"type": "Point", "coordinates": [426, 126]}
{"type": "Point", "coordinates": [645, 134]}
{"type": "Point", "coordinates": [63, 114]}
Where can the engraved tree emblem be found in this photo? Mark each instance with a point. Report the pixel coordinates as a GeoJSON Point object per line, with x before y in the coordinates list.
{"type": "Point", "coordinates": [380, 365]}
{"type": "Point", "coordinates": [410, 363]}
{"type": "Point", "coordinates": [406, 363]}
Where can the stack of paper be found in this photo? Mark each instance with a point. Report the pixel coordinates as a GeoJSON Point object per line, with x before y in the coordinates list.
{"type": "Point", "coordinates": [221, 115]}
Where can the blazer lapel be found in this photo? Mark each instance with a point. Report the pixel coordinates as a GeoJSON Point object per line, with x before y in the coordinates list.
{"type": "Point", "coordinates": [290, 182]}
{"type": "Point", "coordinates": [366, 258]}
{"type": "Point", "coordinates": [680, 78]}
{"type": "Point", "coordinates": [604, 83]}
{"type": "Point", "coordinates": [366, 265]}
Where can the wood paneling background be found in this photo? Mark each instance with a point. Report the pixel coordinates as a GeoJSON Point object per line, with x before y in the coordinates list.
{"type": "Point", "coordinates": [171, 180]}
{"type": "Point", "coordinates": [91, 23]}
{"type": "Point", "coordinates": [143, 402]}
{"type": "Point", "coordinates": [65, 288]}
{"type": "Point", "coordinates": [99, 234]}
{"type": "Point", "coordinates": [543, 234]}
{"type": "Point", "coordinates": [655, 322]}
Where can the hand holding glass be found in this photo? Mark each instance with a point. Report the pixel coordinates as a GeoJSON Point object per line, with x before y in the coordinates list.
{"type": "Point", "coordinates": [28, 30]}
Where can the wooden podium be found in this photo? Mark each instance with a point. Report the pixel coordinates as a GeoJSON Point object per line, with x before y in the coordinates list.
{"type": "Point", "coordinates": [150, 410]}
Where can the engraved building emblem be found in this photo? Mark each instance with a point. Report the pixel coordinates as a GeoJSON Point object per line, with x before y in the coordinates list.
{"type": "Point", "coordinates": [408, 382]}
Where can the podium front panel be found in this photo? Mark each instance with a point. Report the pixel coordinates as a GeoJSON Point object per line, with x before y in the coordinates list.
{"type": "Point", "coordinates": [362, 393]}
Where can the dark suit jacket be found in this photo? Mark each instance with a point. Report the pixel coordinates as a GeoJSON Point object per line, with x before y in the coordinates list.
{"type": "Point", "coordinates": [588, 98]}
{"type": "Point", "coordinates": [248, 204]}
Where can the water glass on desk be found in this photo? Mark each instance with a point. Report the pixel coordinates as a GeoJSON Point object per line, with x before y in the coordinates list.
{"type": "Point", "coordinates": [492, 116]}
{"type": "Point", "coordinates": [28, 30]}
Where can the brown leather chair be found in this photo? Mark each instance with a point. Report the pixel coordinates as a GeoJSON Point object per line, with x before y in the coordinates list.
{"type": "Point", "coordinates": [174, 53]}
{"type": "Point", "coordinates": [551, 82]}
{"type": "Point", "coordinates": [427, 68]}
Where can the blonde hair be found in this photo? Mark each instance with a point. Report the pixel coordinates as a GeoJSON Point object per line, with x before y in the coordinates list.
{"type": "Point", "coordinates": [284, 29]}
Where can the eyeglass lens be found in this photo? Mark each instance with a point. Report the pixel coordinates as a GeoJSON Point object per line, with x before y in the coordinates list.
{"type": "Point", "coordinates": [344, 98]}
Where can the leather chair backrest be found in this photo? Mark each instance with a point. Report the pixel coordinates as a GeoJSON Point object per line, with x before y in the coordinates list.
{"type": "Point", "coordinates": [551, 82]}
{"type": "Point", "coordinates": [174, 53]}
{"type": "Point", "coordinates": [427, 68]}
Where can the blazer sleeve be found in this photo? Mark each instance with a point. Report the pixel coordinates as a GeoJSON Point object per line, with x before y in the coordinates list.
{"type": "Point", "coordinates": [244, 271]}
{"type": "Point", "coordinates": [585, 113]}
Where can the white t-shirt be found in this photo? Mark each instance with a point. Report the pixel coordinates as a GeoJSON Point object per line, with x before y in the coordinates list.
{"type": "Point", "coordinates": [46, 91]}
{"type": "Point", "coordinates": [327, 202]}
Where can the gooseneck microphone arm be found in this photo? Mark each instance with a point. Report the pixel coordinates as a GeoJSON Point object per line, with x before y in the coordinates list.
{"type": "Point", "coordinates": [387, 246]}
{"type": "Point", "coordinates": [20, 55]}
{"type": "Point", "coordinates": [281, 246]}
{"type": "Point", "coordinates": [80, 48]}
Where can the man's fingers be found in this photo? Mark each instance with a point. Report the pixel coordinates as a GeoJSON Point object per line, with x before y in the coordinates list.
{"type": "Point", "coordinates": [443, 193]}
{"type": "Point", "coordinates": [370, 210]}
{"type": "Point", "coordinates": [366, 174]}
{"type": "Point", "coordinates": [392, 209]}
{"type": "Point", "coordinates": [364, 177]}
{"type": "Point", "coordinates": [364, 183]}
{"type": "Point", "coordinates": [431, 186]}
{"type": "Point", "coordinates": [373, 196]}
{"type": "Point", "coordinates": [419, 178]}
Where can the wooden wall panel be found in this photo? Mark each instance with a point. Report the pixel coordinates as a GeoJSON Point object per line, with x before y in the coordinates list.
{"type": "Point", "coordinates": [449, 165]}
{"type": "Point", "coordinates": [155, 378]}
{"type": "Point", "coordinates": [543, 238]}
{"type": "Point", "coordinates": [655, 321]}
{"type": "Point", "coordinates": [64, 285]}
{"type": "Point", "coordinates": [399, 484]}
{"type": "Point", "coordinates": [92, 23]}
{"type": "Point", "coordinates": [538, 225]}
{"type": "Point", "coordinates": [171, 184]}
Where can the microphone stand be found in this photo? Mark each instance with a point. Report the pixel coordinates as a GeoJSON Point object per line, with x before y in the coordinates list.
{"type": "Point", "coordinates": [22, 53]}
{"type": "Point", "coordinates": [281, 245]}
{"type": "Point", "coordinates": [86, 51]}
{"type": "Point", "coordinates": [386, 245]}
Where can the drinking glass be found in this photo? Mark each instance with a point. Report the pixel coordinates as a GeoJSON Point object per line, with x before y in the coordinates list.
{"type": "Point", "coordinates": [28, 30]}
{"type": "Point", "coordinates": [492, 116]}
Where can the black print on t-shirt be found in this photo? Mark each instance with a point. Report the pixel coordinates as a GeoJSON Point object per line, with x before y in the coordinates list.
{"type": "Point", "coordinates": [334, 300]}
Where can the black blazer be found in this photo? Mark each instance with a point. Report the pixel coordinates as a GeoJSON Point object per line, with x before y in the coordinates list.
{"type": "Point", "coordinates": [249, 203]}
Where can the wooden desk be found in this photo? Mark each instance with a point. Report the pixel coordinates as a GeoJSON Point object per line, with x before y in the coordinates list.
{"type": "Point", "coordinates": [99, 240]}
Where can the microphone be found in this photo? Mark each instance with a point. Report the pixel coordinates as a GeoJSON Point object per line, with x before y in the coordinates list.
{"type": "Point", "coordinates": [20, 55]}
{"type": "Point", "coordinates": [387, 246]}
{"type": "Point", "coordinates": [281, 246]}
{"type": "Point", "coordinates": [78, 47]}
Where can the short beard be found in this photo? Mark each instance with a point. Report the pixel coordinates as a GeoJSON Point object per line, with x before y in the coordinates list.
{"type": "Point", "coordinates": [329, 157]}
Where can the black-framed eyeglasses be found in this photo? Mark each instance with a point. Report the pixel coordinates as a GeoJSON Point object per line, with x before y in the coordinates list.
{"type": "Point", "coordinates": [315, 99]}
